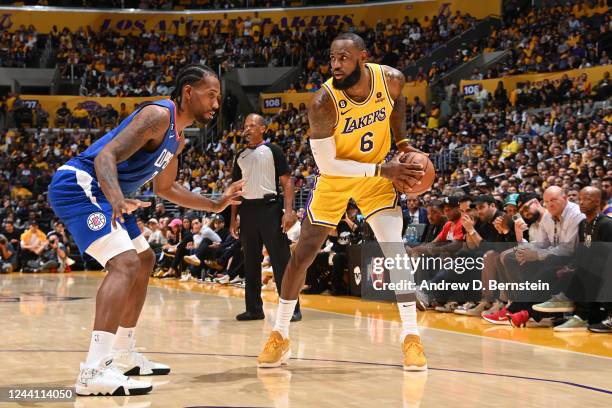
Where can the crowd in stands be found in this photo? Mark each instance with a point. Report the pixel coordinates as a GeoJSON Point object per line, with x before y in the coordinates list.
{"type": "Point", "coordinates": [529, 152]}
{"type": "Point", "coordinates": [551, 38]}
{"type": "Point", "coordinates": [20, 48]}
{"type": "Point", "coordinates": [556, 37]}
{"type": "Point", "coordinates": [179, 4]}
{"type": "Point", "coordinates": [110, 63]}
{"type": "Point", "coordinates": [544, 94]}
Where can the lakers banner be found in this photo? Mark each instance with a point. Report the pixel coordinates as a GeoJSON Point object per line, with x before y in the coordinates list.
{"type": "Point", "coordinates": [271, 103]}
{"type": "Point", "coordinates": [51, 103]}
{"type": "Point", "coordinates": [139, 21]}
{"type": "Point", "coordinates": [472, 87]}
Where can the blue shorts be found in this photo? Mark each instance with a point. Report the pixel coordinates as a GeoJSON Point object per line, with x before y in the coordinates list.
{"type": "Point", "coordinates": [79, 202]}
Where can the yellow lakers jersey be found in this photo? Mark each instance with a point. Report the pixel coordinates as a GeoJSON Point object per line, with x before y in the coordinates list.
{"type": "Point", "coordinates": [362, 131]}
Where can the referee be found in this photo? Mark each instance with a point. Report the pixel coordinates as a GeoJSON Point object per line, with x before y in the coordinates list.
{"type": "Point", "coordinates": [264, 168]}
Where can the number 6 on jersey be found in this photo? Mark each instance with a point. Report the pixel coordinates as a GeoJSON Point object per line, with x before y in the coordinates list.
{"type": "Point", "coordinates": [366, 143]}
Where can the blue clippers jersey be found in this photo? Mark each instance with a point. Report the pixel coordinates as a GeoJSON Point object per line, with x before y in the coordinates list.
{"type": "Point", "coordinates": [142, 166]}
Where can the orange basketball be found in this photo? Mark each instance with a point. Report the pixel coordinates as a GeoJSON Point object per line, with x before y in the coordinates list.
{"type": "Point", "coordinates": [426, 181]}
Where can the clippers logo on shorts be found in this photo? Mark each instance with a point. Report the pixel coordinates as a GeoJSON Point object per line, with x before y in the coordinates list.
{"type": "Point", "coordinates": [96, 221]}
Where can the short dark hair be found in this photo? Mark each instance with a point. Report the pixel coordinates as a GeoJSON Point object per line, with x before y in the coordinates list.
{"type": "Point", "coordinates": [435, 203]}
{"type": "Point", "coordinates": [357, 40]}
{"type": "Point", "coordinates": [189, 75]}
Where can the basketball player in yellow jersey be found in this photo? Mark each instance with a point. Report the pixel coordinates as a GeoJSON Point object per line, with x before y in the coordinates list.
{"type": "Point", "coordinates": [352, 118]}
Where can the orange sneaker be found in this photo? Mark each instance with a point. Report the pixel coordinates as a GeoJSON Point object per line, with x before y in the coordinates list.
{"type": "Point", "coordinates": [414, 354]}
{"type": "Point", "coordinates": [275, 352]}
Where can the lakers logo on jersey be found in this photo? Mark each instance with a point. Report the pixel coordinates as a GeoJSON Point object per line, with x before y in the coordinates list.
{"type": "Point", "coordinates": [362, 132]}
{"type": "Point", "coordinates": [351, 124]}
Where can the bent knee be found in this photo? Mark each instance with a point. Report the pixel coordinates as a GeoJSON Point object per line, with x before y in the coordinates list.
{"type": "Point", "coordinates": [147, 258]}
{"type": "Point", "coordinates": [127, 263]}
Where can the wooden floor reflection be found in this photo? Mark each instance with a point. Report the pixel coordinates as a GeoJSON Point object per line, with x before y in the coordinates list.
{"type": "Point", "coordinates": [346, 352]}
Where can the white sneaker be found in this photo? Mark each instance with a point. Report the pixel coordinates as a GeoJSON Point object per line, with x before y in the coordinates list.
{"type": "Point", "coordinates": [107, 380]}
{"type": "Point", "coordinates": [224, 280]}
{"type": "Point", "coordinates": [131, 362]}
{"type": "Point", "coordinates": [236, 280]}
{"type": "Point", "coordinates": [185, 278]}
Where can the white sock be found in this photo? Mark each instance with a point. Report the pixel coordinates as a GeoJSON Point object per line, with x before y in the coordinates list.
{"type": "Point", "coordinates": [125, 339]}
{"type": "Point", "coordinates": [283, 316]}
{"type": "Point", "coordinates": [99, 348]}
{"type": "Point", "coordinates": [408, 314]}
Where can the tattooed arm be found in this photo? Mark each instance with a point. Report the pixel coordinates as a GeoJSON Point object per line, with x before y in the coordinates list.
{"type": "Point", "coordinates": [147, 129]}
{"type": "Point", "coordinates": [395, 82]}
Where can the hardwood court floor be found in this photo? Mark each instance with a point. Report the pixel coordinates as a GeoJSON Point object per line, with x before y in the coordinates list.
{"type": "Point", "coordinates": [345, 352]}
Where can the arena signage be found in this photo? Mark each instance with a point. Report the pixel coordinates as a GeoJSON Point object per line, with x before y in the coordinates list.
{"type": "Point", "coordinates": [472, 87]}
{"type": "Point", "coordinates": [138, 21]}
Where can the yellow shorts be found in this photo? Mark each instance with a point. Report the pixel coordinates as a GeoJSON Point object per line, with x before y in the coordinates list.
{"type": "Point", "coordinates": [330, 196]}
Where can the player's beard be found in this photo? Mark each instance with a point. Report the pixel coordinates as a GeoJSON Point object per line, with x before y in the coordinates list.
{"type": "Point", "coordinates": [350, 80]}
{"type": "Point", "coordinates": [203, 120]}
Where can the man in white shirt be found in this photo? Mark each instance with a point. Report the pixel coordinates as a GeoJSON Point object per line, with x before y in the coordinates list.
{"type": "Point", "coordinates": [555, 241]}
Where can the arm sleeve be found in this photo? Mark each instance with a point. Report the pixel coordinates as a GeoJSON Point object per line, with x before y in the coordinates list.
{"type": "Point", "coordinates": [324, 152]}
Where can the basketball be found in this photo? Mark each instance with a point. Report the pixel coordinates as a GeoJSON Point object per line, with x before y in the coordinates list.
{"type": "Point", "coordinates": [426, 181]}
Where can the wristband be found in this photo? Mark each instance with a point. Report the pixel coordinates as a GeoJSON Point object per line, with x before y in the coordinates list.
{"type": "Point", "coordinates": [405, 140]}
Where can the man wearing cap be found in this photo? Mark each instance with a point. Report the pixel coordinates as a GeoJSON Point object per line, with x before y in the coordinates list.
{"type": "Point", "coordinates": [542, 259]}
{"type": "Point", "coordinates": [477, 231]}
{"type": "Point", "coordinates": [448, 242]}
{"type": "Point", "coordinates": [483, 229]}
{"type": "Point", "coordinates": [453, 229]}
{"type": "Point", "coordinates": [264, 168]}
{"type": "Point", "coordinates": [511, 205]}
{"type": "Point", "coordinates": [529, 224]}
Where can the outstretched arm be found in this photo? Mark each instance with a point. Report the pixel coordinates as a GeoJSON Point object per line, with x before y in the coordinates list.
{"type": "Point", "coordinates": [165, 185]}
{"type": "Point", "coordinates": [395, 82]}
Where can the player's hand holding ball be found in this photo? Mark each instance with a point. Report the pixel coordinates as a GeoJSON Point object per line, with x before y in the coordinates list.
{"type": "Point", "coordinates": [411, 173]}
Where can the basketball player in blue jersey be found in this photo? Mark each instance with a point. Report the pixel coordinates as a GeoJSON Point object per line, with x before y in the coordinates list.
{"type": "Point", "coordinates": [89, 193]}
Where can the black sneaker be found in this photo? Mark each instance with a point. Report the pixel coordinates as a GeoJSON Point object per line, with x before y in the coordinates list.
{"type": "Point", "coordinates": [246, 316]}
{"type": "Point", "coordinates": [604, 327]}
{"type": "Point", "coordinates": [297, 316]}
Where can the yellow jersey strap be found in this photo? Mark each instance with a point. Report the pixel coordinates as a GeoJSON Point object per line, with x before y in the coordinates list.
{"type": "Point", "coordinates": [384, 84]}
